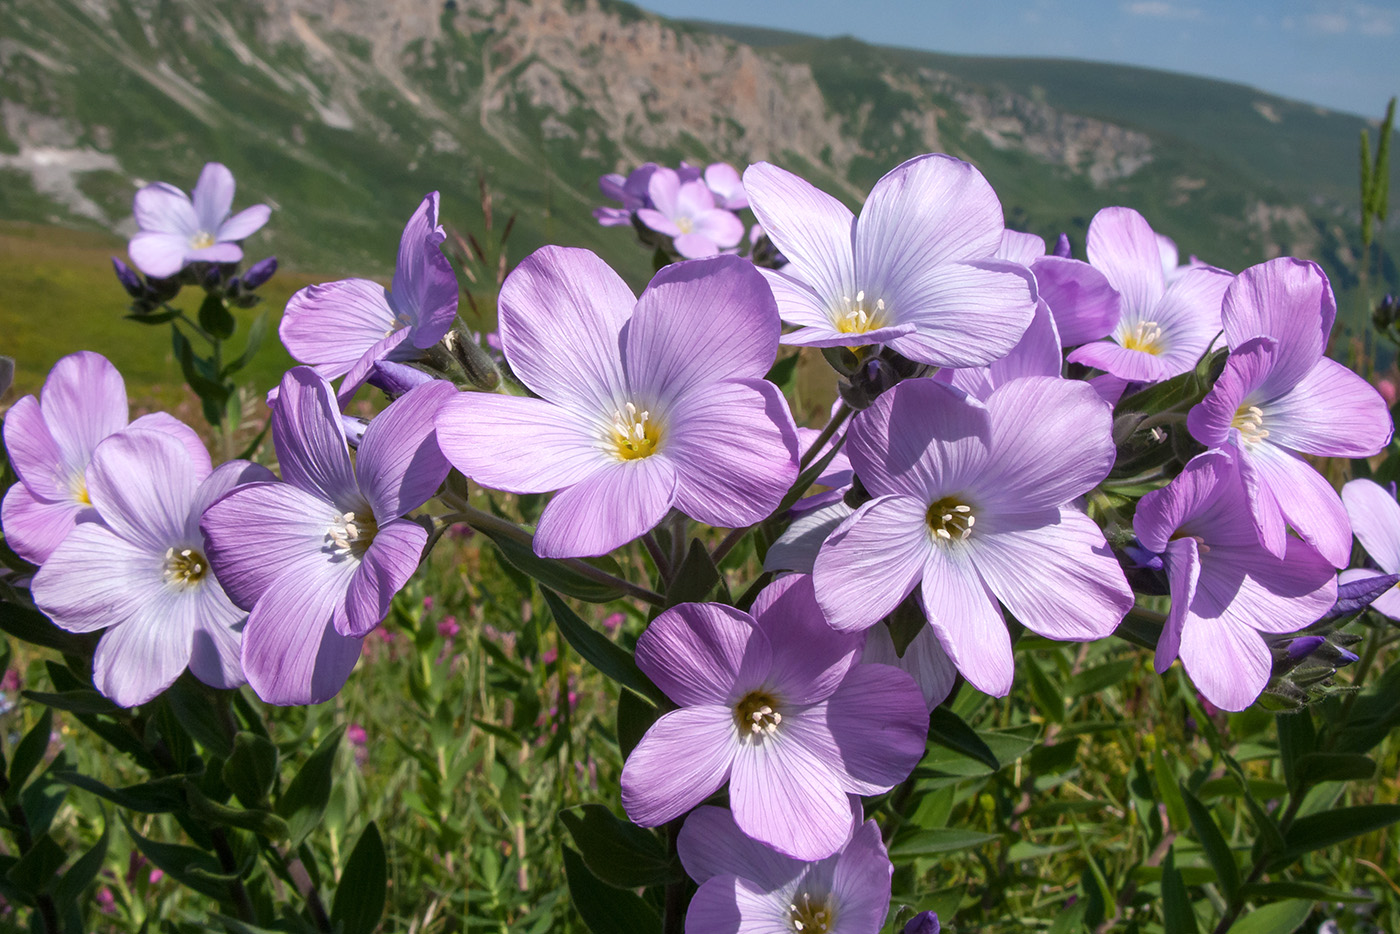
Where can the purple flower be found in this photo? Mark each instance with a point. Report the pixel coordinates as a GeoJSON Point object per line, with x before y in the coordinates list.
{"type": "Point", "coordinates": [974, 501]}
{"type": "Point", "coordinates": [644, 404]}
{"type": "Point", "coordinates": [1226, 589]}
{"type": "Point", "coordinates": [631, 191]}
{"type": "Point", "coordinates": [685, 211]}
{"type": "Point", "coordinates": [317, 558]}
{"type": "Point", "coordinates": [775, 704]}
{"type": "Point", "coordinates": [142, 572]}
{"type": "Point", "coordinates": [346, 327]}
{"type": "Point", "coordinates": [1164, 327]}
{"type": "Point", "coordinates": [176, 231]}
{"type": "Point", "coordinates": [1375, 517]}
{"type": "Point", "coordinates": [727, 187]}
{"type": "Point", "coordinates": [916, 271]}
{"type": "Point", "coordinates": [1036, 354]}
{"type": "Point", "coordinates": [746, 888]}
{"type": "Point", "coordinates": [1279, 398]}
{"type": "Point", "coordinates": [50, 441]}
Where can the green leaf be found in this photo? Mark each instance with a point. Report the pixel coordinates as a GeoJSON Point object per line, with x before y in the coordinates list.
{"type": "Point", "coordinates": [1333, 767]}
{"type": "Point", "coordinates": [1178, 917]}
{"type": "Point", "coordinates": [197, 709]}
{"type": "Point", "coordinates": [35, 628]}
{"type": "Point", "coordinates": [234, 926]}
{"type": "Point", "coordinates": [1279, 918]}
{"type": "Point", "coordinates": [79, 701]}
{"type": "Point", "coordinates": [551, 574]}
{"type": "Point", "coordinates": [256, 332]}
{"type": "Point", "coordinates": [942, 840]}
{"type": "Point", "coordinates": [605, 909]}
{"type": "Point", "coordinates": [1070, 920]}
{"type": "Point", "coordinates": [905, 623]}
{"type": "Point", "coordinates": [259, 821]}
{"type": "Point", "coordinates": [1098, 678]}
{"type": "Point", "coordinates": [215, 318]}
{"type": "Point", "coordinates": [618, 852]}
{"type": "Point", "coordinates": [1217, 851]}
{"type": "Point", "coordinates": [85, 869]}
{"type": "Point", "coordinates": [809, 476]}
{"type": "Point", "coordinates": [251, 768]}
{"type": "Point", "coordinates": [634, 717]}
{"type": "Point", "coordinates": [1273, 891]}
{"type": "Point", "coordinates": [949, 730]}
{"type": "Point", "coordinates": [304, 801]}
{"type": "Point", "coordinates": [204, 387]}
{"type": "Point", "coordinates": [34, 873]}
{"type": "Point", "coordinates": [1296, 738]}
{"type": "Point", "coordinates": [695, 578]}
{"type": "Point", "coordinates": [1326, 828]}
{"type": "Point", "coordinates": [782, 372]}
{"type": "Point", "coordinates": [185, 864]}
{"type": "Point", "coordinates": [158, 796]}
{"type": "Point", "coordinates": [1169, 790]}
{"type": "Point", "coordinates": [1048, 698]}
{"type": "Point", "coordinates": [30, 752]}
{"type": "Point", "coordinates": [359, 899]}
{"type": "Point", "coordinates": [598, 650]}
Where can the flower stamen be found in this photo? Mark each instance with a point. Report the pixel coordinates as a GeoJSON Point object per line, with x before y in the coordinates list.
{"type": "Point", "coordinates": [202, 240]}
{"type": "Point", "coordinates": [859, 316]}
{"type": "Point", "coordinates": [808, 916]}
{"type": "Point", "coordinates": [350, 534]}
{"type": "Point", "coordinates": [1249, 421]}
{"type": "Point", "coordinates": [950, 519]}
{"type": "Point", "coordinates": [184, 568]}
{"type": "Point", "coordinates": [635, 433]}
{"type": "Point", "coordinates": [757, 715]}
{"type": "Point", "coordinates": [1146, 337]}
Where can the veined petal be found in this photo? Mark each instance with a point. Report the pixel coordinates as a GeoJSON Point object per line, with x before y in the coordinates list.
{"type": "Point", "coordinates": [36, 456]}
{"type": "Point", "coordinates": [425, 287]}
{"type": "Point", "coordinates": [519, 444]}
{"type": "Point", "coordinates": [1306, 500]}
{"type": "Point", "coordinates": [561, 313]}
{"type": "Point", "coordinates": [34, 527]}
{"type": "Point", "coordinates": [1135, 366]}
{"type": "Point", "coordinates": [1123, 247]}
{"type": "Point", "coordinates": [212, 197]}
{"type": "Point", "coordinates": [924, 660]}
{"type": "Point", "coordinates": [1289, 300]}
{"type": "Point", "coordinates": [1085, 306]}
{"type": "Point", "coordinates": [683, 759]}
{"type": "Point", "coordinates": [786, 611]}
{"type": "Point", "coordinates": [1247, 369]}
{"type": "Point", "coordinates": [83, 401]}
{"type": "Point", "coordinates": [811, 228]}
{"type": "Point", "coordinates": [330, 326]}
{"type": "Point", "coordinates": [1250, 587]}
{"type": "Point", "coordinates": [1330, 412]}
{"type": "Point", "coordinates": [1229, 663]}
{"type": "Point", "coordinates": [610, 507]}
{"type": "Point", "coordinates": [162, 208]}
{"type": "Point", "coordinates": [217, 642]}
{"type": "Point", "coordinates": [387, 565]}
{"type": "Point", "coordinates": [1019, 247]}
{"type": "Point", "coordinates": [159, 255]}
{"type": "Point", "coordinates": [144, 654]}
{"type": "Point", "coordinates": [966, 313]}
{"type": "Point", "coordinates": [1182, 560]}
{"type": "Point", "coordinates": [390, 347]}
{"type": "Point", "coordinates": [143, 485]}
{"type": "Point", "coordinates": [244, 224]}
{"type": "Point", "coordinates": [967, 620]}
{"type": "Point", "coordinates": [784, 795]}
{"type": "Point", "coordinates": [398, 464]}
{"type": "Point", "coordinates": [1061, 581]}
{"type": "Point", "coordinates": [878, 725]}
{"type": "Point", "coordinates": [797, 548]}
{"type": "Point", "coordinates": [95, 578]}
{"type": "Point", "coordinates": [292, 653]}
{"type": "Point", "coordinates": [711, 844]}
{"type": "Point", "coordinates": [873, 562]}
{"type": "Point", "coordinates": [1375, 518]}
{"type": "Point", "coordinates": [704, 653]}
{"type": "Point", "coordinates": [310, 439]}
{"type": "Point", "coordinates": [1188, 501]}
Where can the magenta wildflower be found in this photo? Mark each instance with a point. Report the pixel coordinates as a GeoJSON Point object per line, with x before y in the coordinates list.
{"type": "Point", "coordinates": [1375, 517]}
{"type": "Point", "coordinates": [1226, 589]}
{"type": "Point", "coordinates": [317, 558]}
{"type": "Point", "coordinates": [1279, 397]}
{"type": "Point", "coordinates": [1164, 327]}
{"type": "Point", "coordinates": [917, 271]}
{"type": "Point", "coordinates": [747, 888]}
{"type": "Point", "coordinates": [685, 211]}
{"type": "Point", "coordinates": [177, 231]}
{"type": "Point", "coordinates": [346, 327]}
{"type": "Point", "coordinates": [644, 404]}
{"type": "Point", "coordinates": [974, 500]}
{"type": "Point", "coordinates": [141, 572]}
{"type": "Point", "coordinates": [775, 704]}
{"type": "Point", "coordinates": [50, 441]}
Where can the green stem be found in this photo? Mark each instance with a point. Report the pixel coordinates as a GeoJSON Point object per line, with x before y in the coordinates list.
{"type": "Point", "coordinates": [838, 418]}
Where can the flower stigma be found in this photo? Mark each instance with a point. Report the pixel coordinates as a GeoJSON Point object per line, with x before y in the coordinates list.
{"type": "Point", "coordinates": [635, 434]}
{"type": "Point", "coordinates": [1249, 419]}
{"type": "Point", "coordinates": [757, 715]}
{"type": "Point", "coordinates": [184, 568]}
{"type": "Point", "coordinates": [202, 240]}
{"type": "Point", "coordinates": [950, 519]}
{"type": "Point", "coordinates": [859, 316]}
{"type": "Point", "coordinates": [809, 916]}
{"type": "Point", "coordinates": [351, 533]}
{"type": "Point", "coordinates": [1146, 337]}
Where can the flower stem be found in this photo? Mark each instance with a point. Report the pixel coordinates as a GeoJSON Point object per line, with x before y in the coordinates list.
{"type": "Point", "coordinates": [838, 418]}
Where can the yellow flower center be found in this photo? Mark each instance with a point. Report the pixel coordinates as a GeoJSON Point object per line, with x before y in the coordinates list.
{"type": "Point", "coordinates": [1249, 419]}
{"type": "Point", "coordinates": [184, 568]}
{"type": "Point", "coordinates": [202, 240]}
{"type": "Point", "coordinates": [757, 715]}
{"type": "Point", "coordinates": [685, 224]}
{"type": "Point", "coordinates": [950, 519]}
{"type": "Point", "coordinates": [860, 315]}
{"type": "Point", "coordinates": [77, 484]}
{"type": "Point", "coordinates": [1147, 337]}
{"type": "Point", "coordinates": [351, 533]}
{"type": "Point", "coordinates": [812, 916]}
{"type": "Point", "coordinates": [635, 433]}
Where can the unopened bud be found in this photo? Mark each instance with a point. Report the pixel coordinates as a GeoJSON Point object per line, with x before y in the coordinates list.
{"type": "Point", "coordinates": [925, 922]}
{"type": "Point", "coordinates": [259, 272]}
{"type": "Point", "coordinates": [397, 378]}
{"type": "Point", "coordinates": [1062, 249]}
{"type": "Point", "coordinates": [475, 362]}
{"type": "Point", "coordinates": [129, 279]}
{"type": "Point", "coordinates": [354, 429]}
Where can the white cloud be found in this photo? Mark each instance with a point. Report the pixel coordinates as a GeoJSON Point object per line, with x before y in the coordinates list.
{"type": "Point", "coordinates": [1335, 19]}
{"type": "Point", "coordinates": [1161, 9]}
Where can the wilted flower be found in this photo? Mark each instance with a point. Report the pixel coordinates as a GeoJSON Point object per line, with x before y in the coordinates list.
{"type": "Point", "coordinates": [176, 231]}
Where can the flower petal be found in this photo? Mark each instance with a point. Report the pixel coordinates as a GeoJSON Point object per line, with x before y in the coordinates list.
{"type": "Point", "coordinates": [1375, 518]}
{"type": "Point", "coordinates": [425, 287]}
{"type": "Point", "coordinates": [784, 795]}
{"type": "Point", "coordinates": [1330, 412]}
{"type": "Point", "coordinates": [217, 641]}
{"type": "Point", "coordinates": [292, 653]}
{"type": "Point", "coordinates": [1306, 500]}
{"type": "Point", "coordinates": [398, 465]}
{"type": "Point", "coordinates": [683, 759]}
{"type": "Point", "coordinates": [711, 844]}
{"type": "Point", "coordinates": [1289, 300]}
{"type": "Point", "coordinates": [879, 726]}
{"type": "Point", "coordinates": [1085, 306]}
{"type": "Point", "coordinates": [95, 578]}
{"type": "Point", "coordinates": [873, 562]}
{"type": "Point", "coordinates": [1228, 663]}
{"type": "Point", "coordinates": [143, 485]}
{"type": "Point", "coordinates": [518, 444]}
{"type": "Point", "coordinates": [704, 653]}
{"type": "Point", "coordinates": [924, 660]}
{"type": "Point", "coordinates": [386, 348]}
{"type": "Point", "coordinates": [786, 611]}
{"type": "Point", "coordinates": [144, 654]}
{"type": "Point", "coordinates": [811, 228]}
{"type": "Point", "coordinates": [387, 565]}
{"type": "Point", "coordinates": [157, 254]}
{"type": "Point", "coordinates": [83, 401]}
{"type": "Point", "coordinates": [965, 313]}
{"type": "Point", "coordinates": [213, 196]}
{"type": "Point", "coordinates": [36, 456]}
{"type": "Point", "coordinates": [244, 224]}
{"type": "Point", "coordinates": [34, 527]}
{"type": "Point", "coordinates": [330, 326]}
{"type": "Point", "coordinates": [310, 439]}
{"type": "Point", "coordinates": [163, 208]}
{"type": "Point", "coordinates": [1123, 247]}
{"type": "Point", "coordinates": [1182, 561]}
{"type": "Point", "coordinates": [610, 507]}
{"type": "Point", "coordinates": [967, 620]}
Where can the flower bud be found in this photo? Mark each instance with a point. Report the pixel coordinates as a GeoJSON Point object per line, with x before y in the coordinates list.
{"type": "Point", "coordinates": [259, 273]}
{"type": "Point", "coordinates": [397, 378]}
{"type": "Point", "coordinates": [1062, 249]}
{"type": "Point", "coordinates": [925, 922]}
{"type": "Point", "coordinates": [129, 279]}
{"type": "Point", "coordinates": [476, 363]}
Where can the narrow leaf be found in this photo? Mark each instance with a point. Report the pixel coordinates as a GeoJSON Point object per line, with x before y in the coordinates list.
{"type": "Point", "coordinates": [302, 804]}
{"type": "Point", "coordinates": [1217, 851]}
{"type": "Point", "coordinates": [1279, 918]}
{"type": "Point", "coordinates": [1178, 917]}
{"type": "Point", "coordinates": [606, 910]}
{"type": "Point", "coordinates": [616, 851]}
{"type": "Point", "coordinates": [549, 573]}
{"type": "Point", "coordinates": [359, 899]}
{"type": "Point", "coordinates": [599, 651]}
{"type": "Point", "coordinates": [949, 730]}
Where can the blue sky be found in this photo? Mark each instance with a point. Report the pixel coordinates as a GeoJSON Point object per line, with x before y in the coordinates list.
{"type": "Point", "coordinates": [1341, 54]}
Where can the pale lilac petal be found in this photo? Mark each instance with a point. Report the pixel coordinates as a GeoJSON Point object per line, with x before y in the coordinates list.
{"type": "Point", "coordinates": [798, 304]}
{"type": "Point", "coordinates": [258, 532]}
{"type": "Point", "coordinates": [704, 653]}
{"type": "Point", "coordinates": [519, 444]}
{"type": "Point", "coordinates": [721, 227]}
{"type": "Point", "coordinates": [784, 795]}
{"type": "Point", "coordinates": [95, 579]}
{"type": "Point", "coordinates": [1331, 412]}
{"type": "Point", "coordinates": [1375, 518]}
{"type": "Point", "coordinates": [159, 255]}
{"type": "Point", "coordinates": [1018, 247]}
{"type": "Point", "coordinates": [967, 620]}
{"type": "Point", "coordinates": [1086, 307]}
{"type": "Point", "coordinates": [244, 224]}
{"type": "Point", "coordinates": [1089, 596]}
{"type": "Point", "coordinates": [216, 645]}
{"type": "Point", "coordinates": [216, 253]}
{"type": "Point", "coordinates": [711, 844]}
{"type": "Point", "coordinates": [83, 401]}
{"type": "Point", "coordinates": [292, 653]}
{"type": "Point", "coordinates": [612, 506]}
{"type": "Point", "coordinates": [387, 565]}
{"type": "Point", "coordinates": [213, 196]}
{"type": "Point", "coordinates": [797, 548]}
{"type": "Point", "coordinates": [310, 440]}
{"type": "Point", "coordinates": [662, 224]}
{"type": "Point", "coordinates": [698, 323]}
{"type": "Point", "coordinates": [398, 463]}
{"type": "Point", "coordinates": [1250, 587]}
{"type": "Point", "coordinates": [1229, 664]}
{"type": "Point", "coordinates": [1189, 314]}
{"type": "Point", "coordinates": [728, 189]}
{"type": "Point", "coordinates": [729, 904]}
{"type": "Point", "coordinates": [811, 228]}
{"type": "Point", "coordinates": [225, 478]}
{"type": "Point", "coordinates": [144, 654]}
{"type": "Point", "coordinates": [1387, 603]}
{"type": "Point", "coordinates": [1182, 561]}
{"type": "Point", "coordinates": [330, 326]}
{"type": "Point", "coordinates": [683, 759]}
{"type": "Point", "coordinates": [1263, 505]}
{"type": "Point", "coordinates": [37, 458]}
{"type": "Point", "coordinates": [1200, 485]}
{"type": "Point", "coordinates": [664, 189]}
{"type": "Point", "coordinates": [924, 660]}
{"type": "Point", "coordinates": [1289, 300]}
{"type": "Point", "coordinates": [695, 245]}
{"type": "Point", "coordinates": [965, 313]}
{"type": "Point", "coordinates": [734, 451]}
{"type": "Point", "coordinates": [561, 311]}
{"type": "Point", "coordinates": [1247, 369]}
{"type": "Point", "coordinates": [143, 485]}
{"type": "Point", "coordinates": [1123, 247]}
{"type": "Point", "coordinates": [425, 287]}
{"type": "Point", "coordinates": [163, 208]}
{"type": "Point", "coordinates": [34, 528]}
{"type": "Point", "coordinates": [1135, 366]}
{"type": "Point", "coordinates": [862, 878]}
{"type": "Point", "coordinates": [866, 569]}
{"type": "Point", "coordinates": [1307, 501]}
{"type": "Point", "coordinates": [879, 726]}
{"type": "Point", "coordinates": [789, 616]}
{"type": "Point", "coordinates": [386, 348]}
{"type": "Point", "coordinates": [921, 439]}
{"type": "Point", "coordinates": [1037, 353]}
{"type": "Point", "coordinates": [613, 217]}
{"type": "Point", "coordinates": [167, 424]}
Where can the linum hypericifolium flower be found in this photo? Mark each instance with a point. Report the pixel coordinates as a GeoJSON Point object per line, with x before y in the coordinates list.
{"type": "Point", "coordinates": [142, 570]}
{"type": "Point", "coordinates": [317, 558]}
{"type": "Point", "coordinates": [685, 211]}
{"type": "Point", "coordinates": [1227, 590]}
{"type": "Point", "coordinates": [1375, 518]}
{"type": "Point", "coordinates": [916, 271]}
{"type": "Point", "coordinates": [775, 704]}
{"type": "Point", "coordinates": [176, 231]}
{"type": "Point", "coordinates": [725, 184]}
{"type": "Point", "coordinates": [973, 505]}
{"type": "Point", "coordinates": [345, 327]}
{"type": "Point", "coordinates": [1037, 353]}
{"type": "Point", "coordinates": [1164, 327]}
{"type": "Point", "coordinates": [630, 191]}
{"type": "Point", "coordinates": [643, 404]}
{"type": "Point", "coordinates": [50, 441]}
{"type": "Point", "coordinates": [747, 888]}
{"type": "Point", "coordinates": [1279, 397]}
